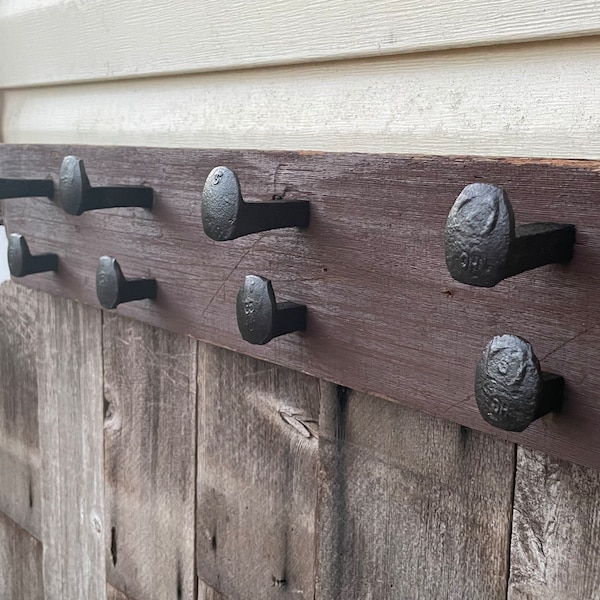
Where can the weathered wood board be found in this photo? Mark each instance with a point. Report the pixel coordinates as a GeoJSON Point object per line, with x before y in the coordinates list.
{"type": "Point", "coordinates": [149, 459]}
{"type": "Point", "coordinates": [20, 563]}
{"type": "Point", "coordinates": [69, 370]}
{"type": "Point", "coordinates": [257, 478]}
{"type": "Point", "coordinates": [19, 440]}
{"type": "Point", "coordinates": [385, 316]}
{"type": "Point", "coordinates": [403, 499]}
{"type": "Point", "coordinates": [555, 548]}
{"type": "Point", "coordinates": [410, 506]}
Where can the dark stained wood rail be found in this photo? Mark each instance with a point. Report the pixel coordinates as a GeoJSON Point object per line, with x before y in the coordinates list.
{"type": "Point", "coordinates": [384, 315]}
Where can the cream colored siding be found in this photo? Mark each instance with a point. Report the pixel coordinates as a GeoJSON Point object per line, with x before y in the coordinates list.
{"type": "Point", "coordinates": [51, 41]}
{"type": "Point", "coordinates": [480, 92]}
{"type": "Point", "coordinates": [518, 100]}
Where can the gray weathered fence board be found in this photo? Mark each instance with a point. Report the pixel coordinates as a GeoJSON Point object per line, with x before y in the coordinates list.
{"type": "Point", "coordinates": [19, 439]}
{"type": "Point", "coordinates": [555, 549]}
{"type": "Point", "coordinates": [257, 469]}
{"type": "Point", "coordinates": [20, 563]}
{"type": "Point", "coordinates": [410, 506]}
{"type": "Point", "coordinates": [401, 499]}
{"type": "Point", "coordinates": [71, 443]}
{"type": "Point", "coordinates": [150, 459]}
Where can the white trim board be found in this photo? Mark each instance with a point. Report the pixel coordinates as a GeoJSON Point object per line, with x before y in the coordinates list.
{"type": "Point", "coordinates": [527, 100]}
{"type": "Point", "coordinates": [58, 41]}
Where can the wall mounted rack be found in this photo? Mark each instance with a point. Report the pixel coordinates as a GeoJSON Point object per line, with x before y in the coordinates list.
{"type": "Point", "coordinates": [383, 314]}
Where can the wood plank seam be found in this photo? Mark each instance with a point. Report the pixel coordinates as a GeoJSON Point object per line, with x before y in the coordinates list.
{"type": "Point", "coordinates": [512, 514]}
{"type": "Point", "coordinates": [410, 506]}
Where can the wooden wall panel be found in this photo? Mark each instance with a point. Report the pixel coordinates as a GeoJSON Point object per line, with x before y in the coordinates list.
{"type": "Point", "coordinates": [19, 439]}
{"type": "Point", "coordinates": [522, 100]}
{"type": "Point", "coordinates": [114, 39]}
{"type": "Point", "coordinates": [555, 549]}
{"type": "Point", "coordinates": [257, 469]}
{"type": "Point", "coordinates": [150, 459]}
{"type": "Point", "coordinates": [71, 442]}
{"type": "Point", "coordinates": [410, 506]}
{"type": "Point", "coordinates": [20, 563]}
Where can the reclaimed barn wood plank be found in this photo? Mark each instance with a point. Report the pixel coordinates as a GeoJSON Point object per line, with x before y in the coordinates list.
{"type": "Point", "coordinates": [410, 506]}
{"type": "Point", "coordinates": [555, 549]}
{"type": "Point", "coordinates": [384, 315]}
{"type": "Point", "coordinates": [140, 38]}
{"type": "Point", "coordinates": [20, 563]}
{"type": "Point", "coordinates": [441, 103]}
{"type": "Point", "coordinates": [257, 469]}
{"type": "Point", "coordinates": [70, 400]}
{"type": "Point", "coordinates": [150, 459]}
{"type": "Point", "coordinates": [19, 439]}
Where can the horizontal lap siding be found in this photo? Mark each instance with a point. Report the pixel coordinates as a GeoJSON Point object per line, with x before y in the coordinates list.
{"type": "Point", "coordinates": [86, 41]}
{"type": "Point", "coordinates": [521, 100]}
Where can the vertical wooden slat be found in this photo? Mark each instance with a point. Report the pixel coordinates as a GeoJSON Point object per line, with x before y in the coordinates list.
{"type": "Point", "coordinates": [19, 440]}
{"type": "Point", "coordinates": [20, 563]}
{"type": "Point", "coordinates": [71, 443]}
{"type": "Point", "coordinates": [410, 506]}
{"type": "Point", "coordinates": [150, 459]}
{"type": "Point", "coordinates": [257, 468]}
{"type": "Point", "coordinates": [555, 550]}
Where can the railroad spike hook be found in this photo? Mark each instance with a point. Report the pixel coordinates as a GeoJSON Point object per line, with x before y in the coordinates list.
{"type": "Point", "coordinates": [511, 390]}
{"type": "Point", "coordinates": [113, 289]}
{"type": "Point", "coordinates": [483, 245]}
{"type": "Point", "coordinates": [26, 188]}
{"type": "Point", "coordinates": [226, 216]}
{"type": "Point", "coordinates": [77, 195]}
{"type": "Point", "coordinates": [260, 317]}
{"type": "Point", "coordinates": [21, 262]}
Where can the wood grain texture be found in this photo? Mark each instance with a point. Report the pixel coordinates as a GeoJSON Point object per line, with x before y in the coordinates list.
{"type": "Point", "coordinates": [205, 592]}
{"type": "Point", "coordinates": [113, 39]}
{"type": "Point", "coordinates": [521, 100]}
{"type": "Point", "coordinates": [71, 444]}
{"type": "Point", "coordinates": [384, 315]}
{"type": "Point", "coordinates": [257, 469]}
{"type": "Point", "coordinates": [149, 460]}
{"type": "Point", "coordinates": [409, 506]}
{"type": "Point", "coordinates": [20, 563]}
{"type": "Point", "coordinates": [555, 549]}
{"type": "Point", "coordinates": [19, 439]}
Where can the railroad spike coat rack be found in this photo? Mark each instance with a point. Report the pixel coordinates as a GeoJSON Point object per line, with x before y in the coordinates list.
{"type": "Point", "coordinates": [389, 288]}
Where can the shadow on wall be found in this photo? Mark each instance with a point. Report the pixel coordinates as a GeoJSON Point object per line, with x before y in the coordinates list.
{"type": "Point", "coordinates": [4, 272]}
